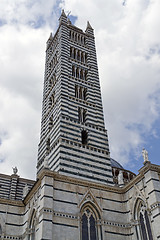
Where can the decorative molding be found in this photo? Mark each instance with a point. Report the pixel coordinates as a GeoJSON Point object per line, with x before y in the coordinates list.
{"type": "Point", "coordinates": [100, 186]}
{"type": "Point", "coordinates": [117, 224]}
{"type": "Point", "coordinates": [154, 206]}
{"type": "Point", "coordinates": [88, 197]}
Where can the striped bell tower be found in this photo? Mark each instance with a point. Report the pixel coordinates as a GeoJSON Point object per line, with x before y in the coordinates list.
{"type": "Point", "coordinates": [73, 138]}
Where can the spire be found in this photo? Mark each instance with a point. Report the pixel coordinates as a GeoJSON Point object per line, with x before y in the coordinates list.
{"type": "Point", "coordinates": [63, 17]}
{"type": "Point", "coordinates": [49, 40]}
{"type": "Point", "coordinates": [89, 29]}
{"type": "Point", "coordinates": [63, 13]}
{"type": "Point", "coordinates": [89, 25]}
{"type": "Point", "coordinates": [50, 37]}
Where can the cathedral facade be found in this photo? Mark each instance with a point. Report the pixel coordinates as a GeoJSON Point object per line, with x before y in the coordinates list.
{"type": "Point", "coordinates": [80, 192]}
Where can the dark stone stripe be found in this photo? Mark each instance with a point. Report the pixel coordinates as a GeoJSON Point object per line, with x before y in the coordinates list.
{"type": "Point", "coordinates": [47, 185]}
{"type": "Point", "coordinates": [65, 225]}
{"type": "Point", "coordinates": [122, 234]}
{"type": "Point", "coordinates": [113, 200]}
{"type": "Point", "coordinates": [156, 215]}
{"type": "Point", "coordinates": [62, 190]}
{"type": "Point", "coordinates": [45, 196]}
{"type": "Point", "coordinates": [58, 200]}
{"type": "Point", "coordinates": [59, 224]}
{"type": "Point", "coordinates": [154, 190]}
{"type": "Point", "coordinates": [152, 179]}
{"type": "Point", "coordinates": [64, 181]}
{"type": "Point", "coordinates": [86, 170]}
{"type": "Point", "coordinates": [63, 201]}
{"type": "Point", "coordinates": [16, 225]}
{"type": "Point", "coordinates": [89, 154]}
{"type": "Point", "coordinates": [115, 211]}
{"type": "Point", "coordinates": [86, 176]}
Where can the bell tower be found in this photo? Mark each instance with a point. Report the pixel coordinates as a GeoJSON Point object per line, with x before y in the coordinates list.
{"type": "Point", "coordinates": [73, 138]}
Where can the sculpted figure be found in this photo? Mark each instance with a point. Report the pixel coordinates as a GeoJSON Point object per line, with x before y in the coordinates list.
{"type": "Point", "coordinates": [15, 170]}
{"type": "Point", "coordinates": [145, 155]}
{"type": "Point", "coordinates": [120, 178]}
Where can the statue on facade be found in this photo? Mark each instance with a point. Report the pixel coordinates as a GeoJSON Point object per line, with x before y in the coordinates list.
{"type": "Point", "coordinates": [120, 179]}
{"type": "Point", "coordinates": [15, 170]}
{"type": "Point", "coordinates": [145, 155]}
{"type": "Point", "coordinates": [46, 162]}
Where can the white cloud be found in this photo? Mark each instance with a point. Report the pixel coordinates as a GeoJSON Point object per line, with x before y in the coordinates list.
{"type": "Point", "coordinates": [22, 60]}
{"type": "Point", "coordinates": [128, 44]}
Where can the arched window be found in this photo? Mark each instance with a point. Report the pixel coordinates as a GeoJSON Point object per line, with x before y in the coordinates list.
{"type": "Point", "coordinates": [89, 227]}
{"type": "Point", "coordinates": [143, 229]}
{"type": "Point", "coordinates": [32, 225]}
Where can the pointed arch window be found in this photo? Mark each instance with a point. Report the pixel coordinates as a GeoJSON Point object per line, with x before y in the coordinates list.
{"type": "Point", "coordinates": [143, 230]}
{"type": "Point", "coordinates": [89, 227]}
{"type": "Point", "coordinates": [32, 225]}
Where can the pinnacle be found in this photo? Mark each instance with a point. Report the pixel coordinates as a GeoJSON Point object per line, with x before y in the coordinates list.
{"type": "Point", "coordinates": [89, 25]}
{"type": "Point", "coordinates": [63, 13]}
{"type": "Point", "coordinates": [50, 37]}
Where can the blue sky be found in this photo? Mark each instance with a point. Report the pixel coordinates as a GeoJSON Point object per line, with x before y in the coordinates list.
{"type": "Point", "coordinates": [128, 51]}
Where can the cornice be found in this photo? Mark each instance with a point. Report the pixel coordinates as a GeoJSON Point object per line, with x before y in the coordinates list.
{"type": "Point", "coordinates": [12, 202]}
{"type": "Point", "coordinates": [147, 167]}
{"type": "Point", "coordinates": [89, 184]}
{"type": "Point", "coordinates": [68, 179]}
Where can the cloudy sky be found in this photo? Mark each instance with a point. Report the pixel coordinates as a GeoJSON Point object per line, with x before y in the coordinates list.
{"type": "Point", "coordinates": [128, 48]}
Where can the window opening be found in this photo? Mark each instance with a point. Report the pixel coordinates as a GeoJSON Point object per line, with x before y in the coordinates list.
{"type": "Point", "coordinates": [76, 91]}
{"type": "Point", "coordinates": [144, 229]}
{"type": "Point", "coordinates": [84, 137]}
{"type": "Point", "coordinates": [85, 74]}
{"type": "Point", "coordinates": [85, 93]}
{"type": "Point", "coordinates": [32, 227]}
{"type": "Point", "coordinates": [84, 227]}
{"type": "Point", "coordinates": [148, 226]}
{"type": "Point", "coordinates": [81, 74]}
{"type": "Point", "coordinates": [50, 123]}
{"type": "Point", "coordinates": [89, 228]}
{"type": "Point", "coordinates": [77, 73]}
{"type": "Point", "coordinates": [82, 114]}
{"type": "Point", "coordinates": [79, 114]}
{"type": "Point", "coordinates": [80, 92]}
{"type": "Point", "coordinates": [73, 71]}
{"type": "Point", "coordinates": [48, 145]}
